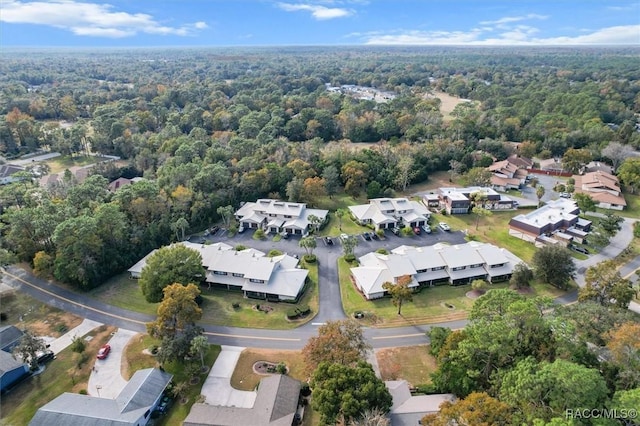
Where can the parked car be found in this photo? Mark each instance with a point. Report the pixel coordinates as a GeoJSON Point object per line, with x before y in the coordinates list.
{"type": "Point", "coordinates": [426, 229]}
{"type": "Point", "coordinates": [374, 236]}
{"type": "Point", "coordinates": [240, 229]}
{"type": "Point", "coordinates": [285, 235]}
{"type": "Point", "coordinates": [565, 195]}
{"type": "Point", "coordinates": [416, 230]}
{"type": "Point", "coordinates": [444, 226]}
{"type": "Point", "coordinates": [104, 351]}
{"type": "Point", "coordinates": [344, 237]}
{"type": "Point", "coordinates": [580, 249]}
{"type": "Point", "coordinates": [328, 241]}
{"type": "Point", "coordinates": [46, 356]}
{"type": "Point", "coordinates": [396, 231]}
{"type": "Point", "coordinates": [366, 236]}
{"type": "Point", "coordinates": [165, 404]}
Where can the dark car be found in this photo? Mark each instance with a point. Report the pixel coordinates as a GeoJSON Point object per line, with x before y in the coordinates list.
{"type": "Point", "coordinates": [165, 404]}
{"type": "Point", "coordinates": [375, 236]}
{"type": "Point", "coordinates": [45, 357]}
{"type": "Point", "coordinates": [580, 249]}
{"type": "Point", "coordinates": [328, 240]}
{"type": "Point", "coordinates": [366, 236]}
{"type": "Point", "coordinates": [285, 235]}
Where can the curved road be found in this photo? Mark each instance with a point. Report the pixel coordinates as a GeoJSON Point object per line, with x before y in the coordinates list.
{"type": "Point", "coordinates": [329, 295]}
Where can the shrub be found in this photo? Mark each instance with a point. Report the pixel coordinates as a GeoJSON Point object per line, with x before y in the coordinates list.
{"type": "Point", "coordinates": [292, 314]}
{"type": "Point", "coordinates": [259, 234]}
{"type": "Point", "coordinates": [305, 389]}
{"type": "Point", "coordinates": [281, 368]}
{"type": "Point", "coordinates": [78, 344]}
{"type": "Point", "coordinates": [240, 247]}
{"type": "Point", "coordinates": [235, 305]}
{"type": "Point", "coordinates": [82, 359]}
{"type": "Point", "coordinates": [82, 392]}
{"type": "Point", "coordinates": [427, 389]}
{"type": "Point", "coordinates": [350, 258]}
{"type": "Point", "coordinates": [382, 251]}
{"type": "Point", "coordinates": [636, 229]}
{"type": "Point", "coordinates": [310, 258]}
{"type": "Point", "coordinates": [304, 309]}
{"type": "Point", "coordinates": [274, 253]}
{"type": "Point", "coordinates": [61, 328]}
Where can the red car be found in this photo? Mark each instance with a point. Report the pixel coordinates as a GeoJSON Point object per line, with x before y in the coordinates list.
{"type": "Point", "coordinates": [103, 352]}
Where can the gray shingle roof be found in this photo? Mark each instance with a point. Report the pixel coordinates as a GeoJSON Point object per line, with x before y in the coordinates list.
{"type": "Point", "coordinates": [9, 336]}
{"type": "Point", "coordinates": [275, 405]}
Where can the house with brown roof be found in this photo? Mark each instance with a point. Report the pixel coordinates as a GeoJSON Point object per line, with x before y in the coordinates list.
{"type": "Point", "coordinates": [603, 187]}
{"type": "Point", "coordinates": [276, 404]}
{"type": "Point", "coordinates": [510, 173]}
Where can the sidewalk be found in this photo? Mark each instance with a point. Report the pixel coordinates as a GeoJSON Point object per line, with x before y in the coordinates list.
{"type": "Point", "coordinates": [66, 339]}
{"type": "Point", "coordinates": [217, 387]}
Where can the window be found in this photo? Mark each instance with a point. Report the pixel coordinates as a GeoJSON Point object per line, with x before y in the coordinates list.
{"type": "Point", "coordinates": [420, 271]}
{"type": "Point", "coordinates": [287, 216]}
{"type": "Point", "coordinates": [253, 280]}
{"type": "Point", "coordinates": [477, 265]}
{"type": "Point", "coordinates": [499, 265]}
{"type": "Point", "coordinates": [438, 268]}
{"type": "Point", "coordinates": [219, 273]}
{"type": "Point", "coordinates": [459, 268]}
{"type": "Point", "coordinates": [235, 274]}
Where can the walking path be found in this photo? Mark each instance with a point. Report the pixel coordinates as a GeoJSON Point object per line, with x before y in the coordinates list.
{"type": "Point", "coordinates": [217, 387]}
{"type": "Point", "coordinates": [66, 339]}
{"type": "Point", "coordinates": [106, 380]}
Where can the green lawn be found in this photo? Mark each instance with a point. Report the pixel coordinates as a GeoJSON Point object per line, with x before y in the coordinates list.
{"type": "Point", "coordinates": [59, 164]}
{"type": "Point", "coordinates": [61, 375]}
{"type": "Point", "coordinates": [135, 360]}
{"type": "Point", "coordinates": [428, 306]}
{"type": "Point", "coordinates": [492, 229]}
{"type": "Point", "coordinates": [217, 307]}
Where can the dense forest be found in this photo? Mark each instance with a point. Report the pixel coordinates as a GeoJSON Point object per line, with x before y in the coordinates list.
{"type": "Point", "coordinates": [213, 128]}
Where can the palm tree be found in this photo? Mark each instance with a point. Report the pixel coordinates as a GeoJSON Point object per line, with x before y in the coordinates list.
{"type": "Point", "coordinates": [340, 213]}
{"type": "Point", "coordinates": [199, 346]}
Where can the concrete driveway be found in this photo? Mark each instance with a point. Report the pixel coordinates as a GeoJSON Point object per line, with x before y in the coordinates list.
{"type": "Point", "coordinates": [217, 387]}
{"type": "Point", "coordinates": [105, 380]}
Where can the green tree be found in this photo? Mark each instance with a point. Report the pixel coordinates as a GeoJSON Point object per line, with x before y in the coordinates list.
{"type": "Point", "coordinates": [437, 338]}
{"type": "Point", "coordinates": [610, 224]}
{"type": "Point", "coordinates": [623, 343]}
{"type": "Point", "coordinates": [478, 176]}
{"type": "Point", "coordinates": [343, 393]}
{"type": "Point", "coordinates": [480, 212]}
{"type": "Point", "coordinates": [337, 342]}
{"type": "Point", "coordinates": [540, 192]}
{"type": "Point", "coordinates": [477, 409]}
{"type": "Point", "coordinates": [226, 214]}
{"type": "Point", "coordinates": [585, 202]}
{"type": "Point", "coordinates": [78, 344]}
{"type": "Point", "coordinates": [340, 214]}
{"type": "Point", "coordinates": [331, 180]}
{"type": "Point", "coordinates": [629, 173]}
{"type": "Point", "coordinates": [199, 346]}
{"type": "Point", "coordinates": [177, 310]}
{"type": "Point", "coordinates": [604, 285]}
{"type": "Point", "coordinates": [554, 265]}
{"type": "Point", "coordinates": [179, 227]}
{"type": "Point", "coordinates": [400, 291]}
{"type": "Point", "coordinates": [28, 348]}
{"type": "Point", "coordinates": [308, 244]}
{"type": "Point", "coordinates": [521, 276]}
{"type": "Point", "coordinates": [78, 252]}
{"type": "Point", "coordinates": [574, 160]}
{"type": "Point", "coordinates": [349, 243]}
{"type": "Point", "coordinates": [479, 286]}
{"type": "Point", "coordinates": [169, 265]}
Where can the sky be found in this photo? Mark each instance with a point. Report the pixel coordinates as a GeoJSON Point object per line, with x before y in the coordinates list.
{"type": "Point", "coordinates": [163, 23]}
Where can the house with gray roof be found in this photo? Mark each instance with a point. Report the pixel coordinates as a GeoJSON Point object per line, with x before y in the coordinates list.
{"type": "Point", "coordinates": [275, 405]}
{"type": "Point", "coordinates": [274, 216]}
{"type": "Point", "coordinates": [387, 213]}
{"type": "Point", "coordinates": [250, 271]}
{"type": "Point", "coordinates": [10, 336]}
{"type": "Point", "coordinates": [11, 370]}
{"type": "Point", "coordinates": [432, 265]}
{"type": "Point", "coordinates": [133, 406]}
{"type": "Point", "coordinates": [407, 409]}
{"type": "Point", "coordinates": [7, 172]}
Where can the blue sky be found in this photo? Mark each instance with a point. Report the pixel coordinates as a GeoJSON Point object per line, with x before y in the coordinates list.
{"type": "Point", "coordinates": [89, 23]}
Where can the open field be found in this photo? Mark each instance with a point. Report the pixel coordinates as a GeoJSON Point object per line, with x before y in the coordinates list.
{"type": "Point", "coordinates": [447, 103]}
{"type": "Point", "coordinates": [64, 374]}
{"type": "Point", "coordinates": [60, 164]}
{"type": "Point", "coordinates": [429, 305]}
{"type": "Point", "coordinates": [217, 307]}
{"type": "Point", "coordinates": [411, 363]}
{"type": "Point", "coordinates": [27, 313]}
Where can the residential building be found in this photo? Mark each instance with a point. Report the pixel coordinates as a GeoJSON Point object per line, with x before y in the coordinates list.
{"type": "Point", "coordinates": [271, 278]}
{"type": "Point", "coordinates": [10, 336]}
{"type": "Point", "coordinates": [459, 200]}
{"type": "Point", "coordinates": [432, 265]}
{"type": "Point", "coordinates": [387, 213]}
{"type": "Point", "coordinates": [278, 216]}
{"type": "Point", "coordinates": [510, 173]}
{"type": "Point", "coordinates": [603, 187]}
{"type": "Point", "coordinates": [11, 370]}
{"type": "Point", "coordinates": [552, 223]}
{"type": "Point", "coordinates": [7, 173]}
{"type": "Point", "coordinates": [408, 410]}
{"type": "Point", "coordinates": [275, 405]}
{"type": "Point", "coordinates": [133, 406]}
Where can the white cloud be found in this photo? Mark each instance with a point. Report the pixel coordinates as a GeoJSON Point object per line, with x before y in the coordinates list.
{"type": "Point", "coordinates": [517, 35]}
{"type": "Point", "coordinates": [510, 19]}
{"type": "Point", "coordinates": [89, 19]}
{"type": "Point", "coordinates": [318, 12]}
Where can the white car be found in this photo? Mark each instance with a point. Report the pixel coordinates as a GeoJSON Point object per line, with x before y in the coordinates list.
{"type": "Point", "coordinates": [344, 237]}
{"type": "Point", "coordinates": [444, 226]}
{"type": "Point", "coordinates": [426, 229]}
